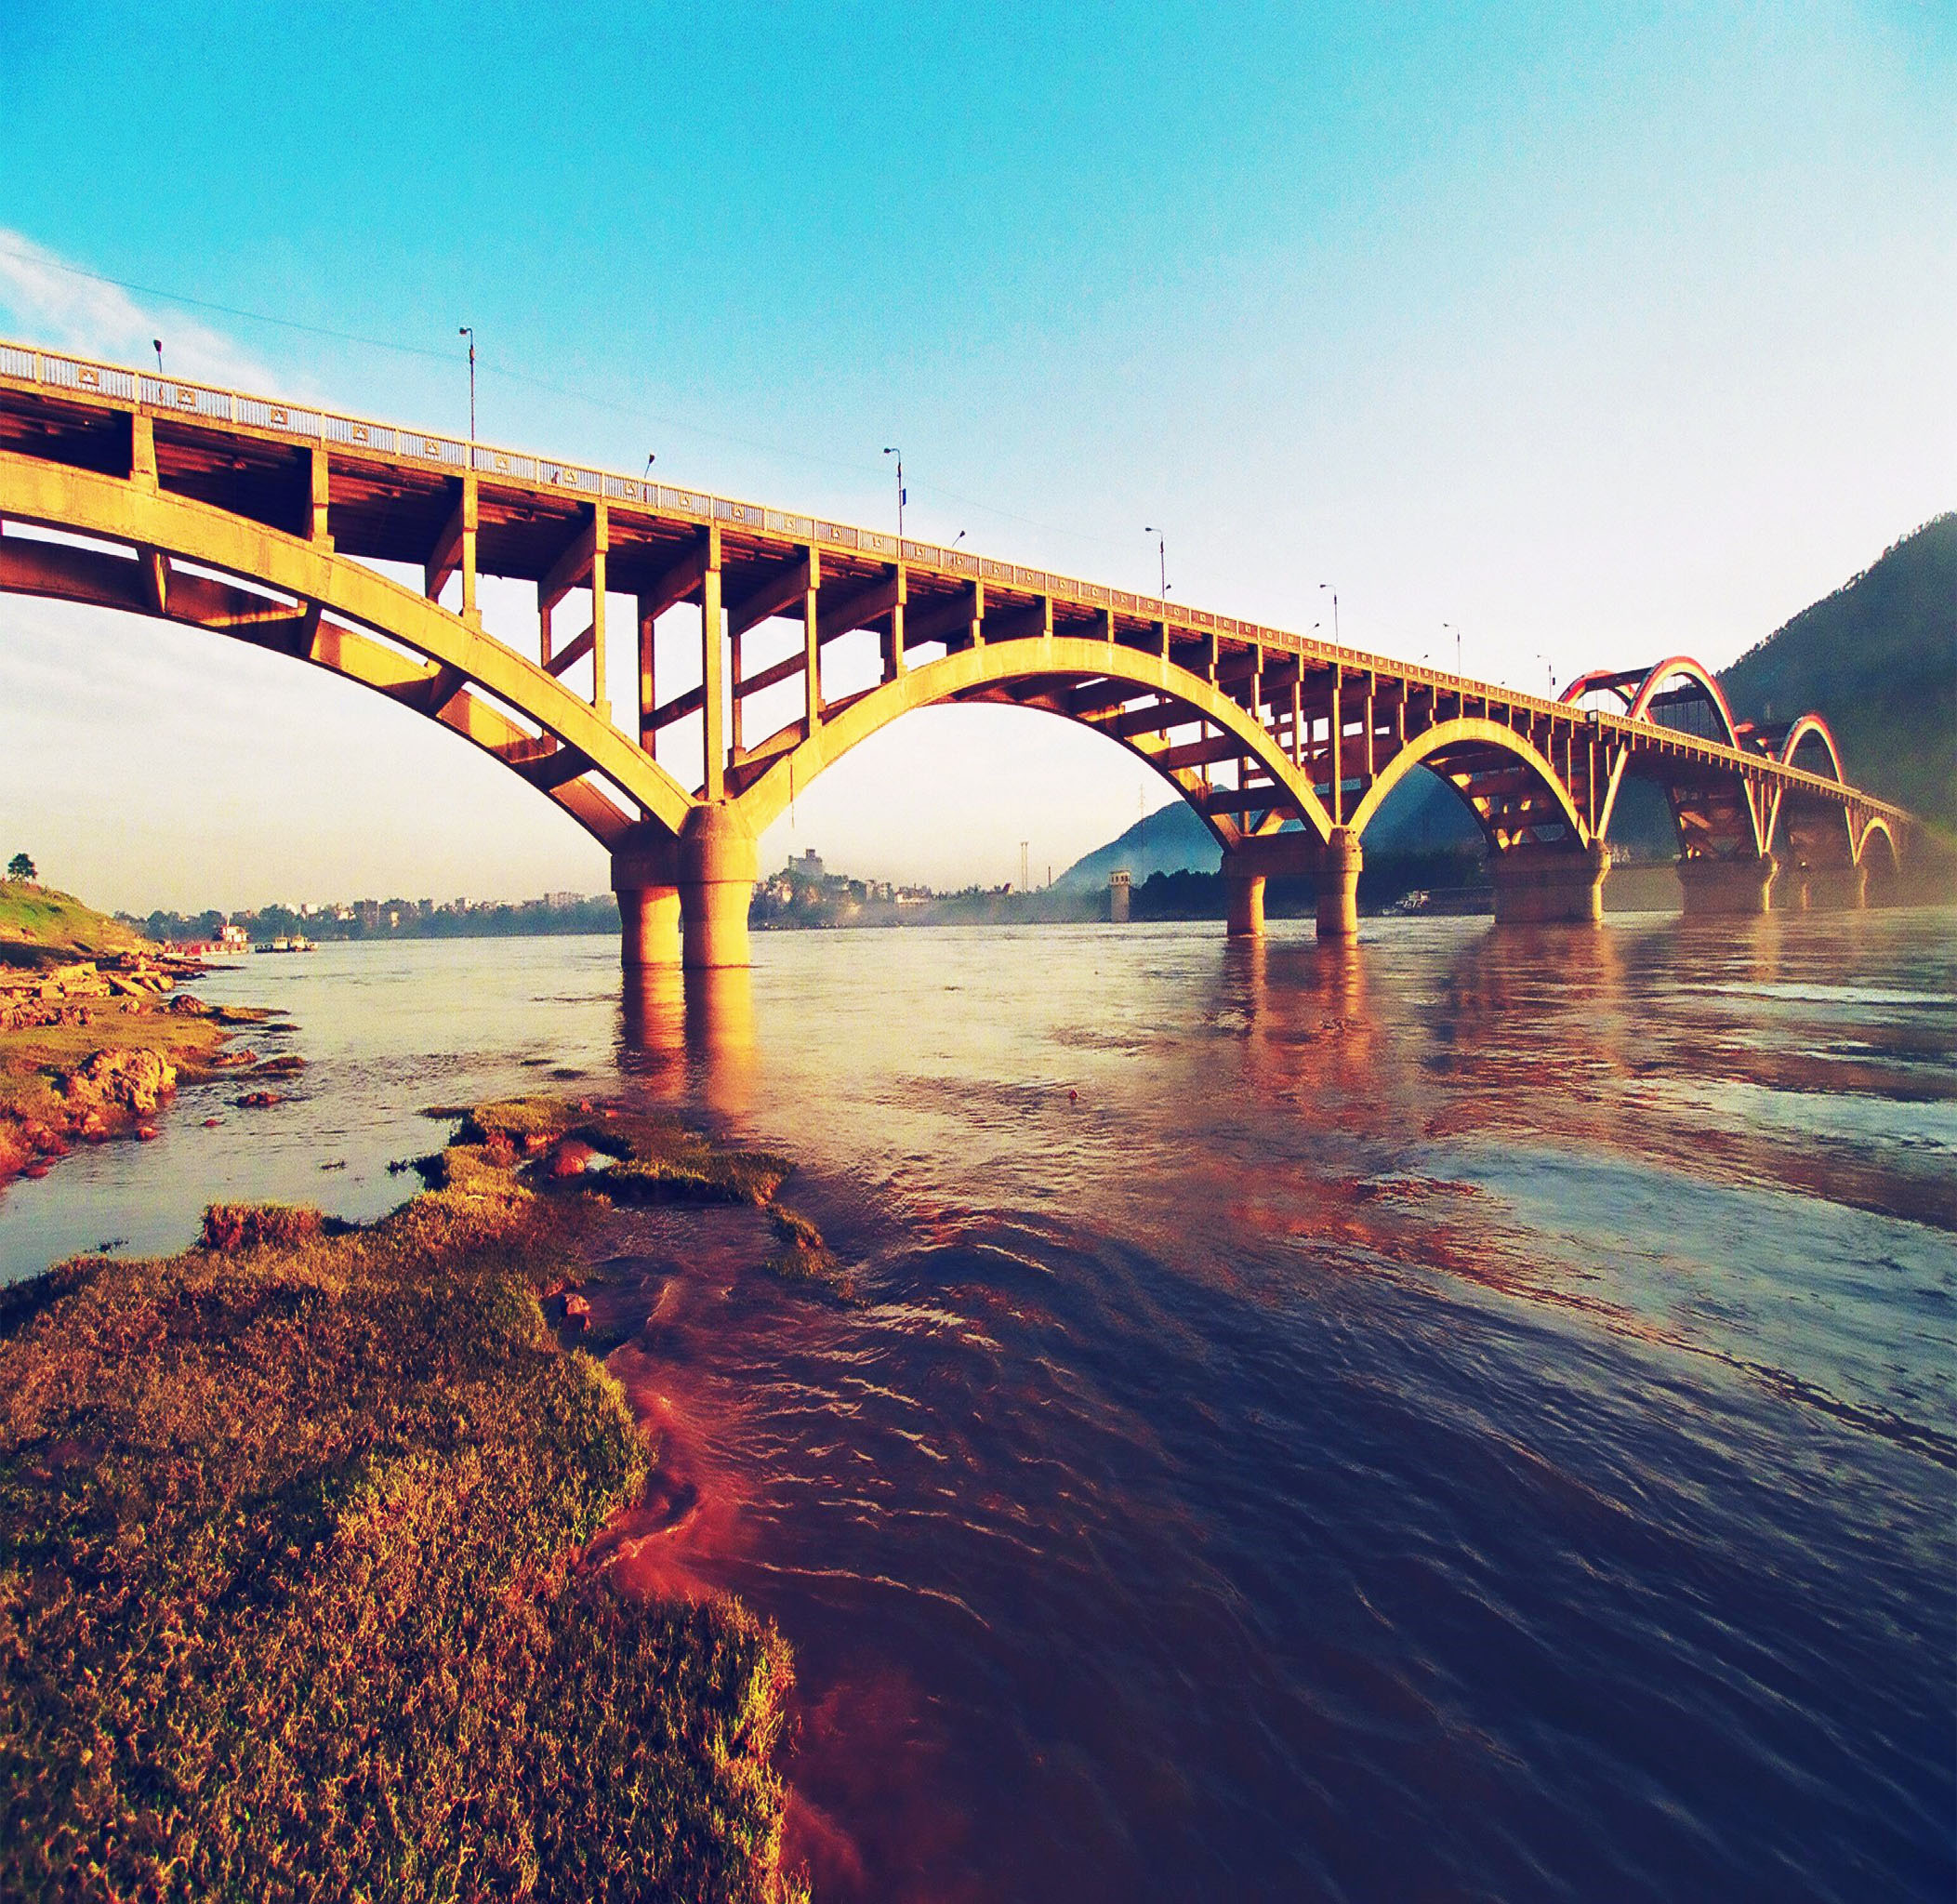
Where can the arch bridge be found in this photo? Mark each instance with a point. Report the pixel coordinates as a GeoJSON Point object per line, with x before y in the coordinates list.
{"type": "Point", "coordinates": [359, 546]}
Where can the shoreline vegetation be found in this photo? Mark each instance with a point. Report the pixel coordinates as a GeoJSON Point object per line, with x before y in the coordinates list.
{"type": "Point", "coordinates": [294, 1594]}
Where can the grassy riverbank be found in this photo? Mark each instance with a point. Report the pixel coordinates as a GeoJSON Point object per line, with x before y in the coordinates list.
{"type": "Point", "coordinates": [290, 1592]}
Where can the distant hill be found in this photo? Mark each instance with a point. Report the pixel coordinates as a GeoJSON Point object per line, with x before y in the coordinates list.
{"type": "Point", "coordinates": [1170, 841]}
{"type": "Point", "coordinates": [1878, 659]}
{"type": "Point", "coordinates": [38, 925]}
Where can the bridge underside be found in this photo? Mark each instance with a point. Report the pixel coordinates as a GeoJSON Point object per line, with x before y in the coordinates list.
{"type": "Point", "coordinates": [360, 547]}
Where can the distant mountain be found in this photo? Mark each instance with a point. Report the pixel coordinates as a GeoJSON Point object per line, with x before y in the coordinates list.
{"type": "Point", "coordinates": [1878, 659]}
{"type": "Point", "coordinates": [1169, 840]}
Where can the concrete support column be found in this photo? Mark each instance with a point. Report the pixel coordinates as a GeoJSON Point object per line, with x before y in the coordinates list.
{"type": "Point", "coordinates": [650, 918]}
{"type": "Point", "coordinates": [1243, 893]}
{"type": "Point", "coordinates": [1541, 885]}
{"type": "Point", "coordinates": [717, 862]}
{"type": "Point", "coordinates": [1713, 886]}
{"type": "Point", "coordinates": [646, 878]}
{"type": "Point", "coordinates": [1338, 882]}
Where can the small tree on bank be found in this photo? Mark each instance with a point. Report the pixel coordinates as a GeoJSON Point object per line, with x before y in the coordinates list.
{"type": "Point", "coordinates": [20, 867]}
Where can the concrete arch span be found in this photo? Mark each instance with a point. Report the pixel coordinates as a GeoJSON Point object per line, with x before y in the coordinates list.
{"type": "Point", "coordinates": [689, 896]}
{"type": "Point", "coordinates": [1677, 677]}
{"type": "Point", "coordinates": [1518, 801]}
{"type": "Point", "coordinates": [1815, 842]}
{"type": "Point", "coordinates": [298, 598]}
{"type": "Point", "coordinates": [1135, 699]}
{"type": "Point", "coordinates": [1542, 858]}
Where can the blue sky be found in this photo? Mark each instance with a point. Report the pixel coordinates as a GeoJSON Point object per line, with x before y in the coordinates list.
{"type": "Point", "coordinates": [1600, 332]}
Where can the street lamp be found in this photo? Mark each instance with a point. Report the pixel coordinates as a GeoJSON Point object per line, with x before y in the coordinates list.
{"type": "Point", "coordinates": [891, 450]}
{"type": "Point", "coordinates": [469, 331]}
{"type": "Point", "coordinates": [1448, 628]}
{"type": "Point", "coordinates": [156, 345]}
{"type": "Point", "coordinates": [1334, 594]}
{"type": "Point", "coordinates": [1161, 556]}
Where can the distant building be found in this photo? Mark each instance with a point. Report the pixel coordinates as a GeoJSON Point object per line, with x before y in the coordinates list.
{"type": "Point", "coordinates": [563, 901]}
{"type": "Point", "coordinates": [1118, 884]}
{"type": "Point", "coordinates": [809, 867]}
{"type": "Point", "coordinates": [234, 938]}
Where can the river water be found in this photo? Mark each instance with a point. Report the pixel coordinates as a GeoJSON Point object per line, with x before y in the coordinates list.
{"type": "Point", "coordinates": [1468, 1417]}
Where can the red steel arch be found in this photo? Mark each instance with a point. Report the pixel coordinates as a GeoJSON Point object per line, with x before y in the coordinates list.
{"type": "Point", "coordinates": [1712, 818]}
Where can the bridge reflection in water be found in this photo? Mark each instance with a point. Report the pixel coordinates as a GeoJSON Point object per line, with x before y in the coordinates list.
{"type": "Point", "coordinates": [265, 520]}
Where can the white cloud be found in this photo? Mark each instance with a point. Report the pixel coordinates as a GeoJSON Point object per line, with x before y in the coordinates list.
{"type": "Point", "coordinates": [46, 301]}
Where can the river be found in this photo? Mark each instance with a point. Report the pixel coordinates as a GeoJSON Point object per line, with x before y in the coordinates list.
{"type": "Point", "coordinates": [1467, 1417]}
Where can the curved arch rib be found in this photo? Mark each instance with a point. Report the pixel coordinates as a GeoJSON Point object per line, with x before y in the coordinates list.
{"type": "Point", "coordinates": [1810, 727]}
{"type": "Point", "coordinates": [573, 741]}
{"type": "Point", "coordinates": [1447, 751]}
{"type": "Point", "coordinates": [1683, 668]}
{"type": "Point", "coordinates": [1062, 665]}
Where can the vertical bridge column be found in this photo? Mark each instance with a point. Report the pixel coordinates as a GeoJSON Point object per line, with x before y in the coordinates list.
{"type": "Point", "coordinates": [1547, 885]}
{"type": "Point", "coordinates": [718, 860]}
{"type": "Point", "coordinates": [1243, 898]}
{"type": "Point", "coordinates": [1338, 881]}
{"type": "Point", "coordinates": [646, 880]}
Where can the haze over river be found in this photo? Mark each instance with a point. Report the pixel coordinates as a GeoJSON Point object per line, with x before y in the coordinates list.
{"type": "Point", "coordinates": [1468, 1417]}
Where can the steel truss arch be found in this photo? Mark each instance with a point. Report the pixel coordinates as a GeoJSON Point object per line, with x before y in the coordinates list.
{"type": "Point", "coordinates": [1826, 837]}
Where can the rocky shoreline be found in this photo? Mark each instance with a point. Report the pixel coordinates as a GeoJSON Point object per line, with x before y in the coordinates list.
{"type": "Point", "coordinates": [93, 1049]}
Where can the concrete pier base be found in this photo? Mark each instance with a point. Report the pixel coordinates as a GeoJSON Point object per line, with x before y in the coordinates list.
{"type": "Point", "coordinates": [1331, 866]}
{"type": "Point", "coordinates": [649, 919]}
{"type": "Point", "coordinates": [1243, 901]}
{"type": "Point", "coordinates": [684, 901]}
{"type": "Point", "coordinates": [718, 861]}
{"type": "Point", "coordinates": [1724, 887]}
{"type": "Point", "coordinates": [1338, 882]}
{"type": "Point", "coordinates": [1546, 885]}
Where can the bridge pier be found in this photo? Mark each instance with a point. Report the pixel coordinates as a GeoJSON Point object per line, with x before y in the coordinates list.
{"type": "Point", "coordinates": [1544, 885]}
{"type": "Point", "coordinates": [684, 901]}
{"type": "Point", "coordinates": [1338, 883]}
{"type": "Point", "coordinates": [649, 919]}
{"type": "Point", "coordinates": [1716, 887]}
{"type": "Point", "coordinates": [1243, 901]}
{"type": "Point", "coordinates": [719, 858]}
{"type": "Point", "coordinates": [1332, 865]}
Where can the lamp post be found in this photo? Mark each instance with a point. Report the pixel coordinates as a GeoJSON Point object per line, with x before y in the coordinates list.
{"type": "Point", "coordinates": [156, 345]}
{"type": "Point", "coordinates": [891, 450]}
{"type": "Point", "coordinates": [469, 331]}
{"type": "Point", "coordinates": [1162, 559]}
{"type": "Point", "coordinates": [1334, 594]}
{"type": "Point", "coordinates": [1448, 628]}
